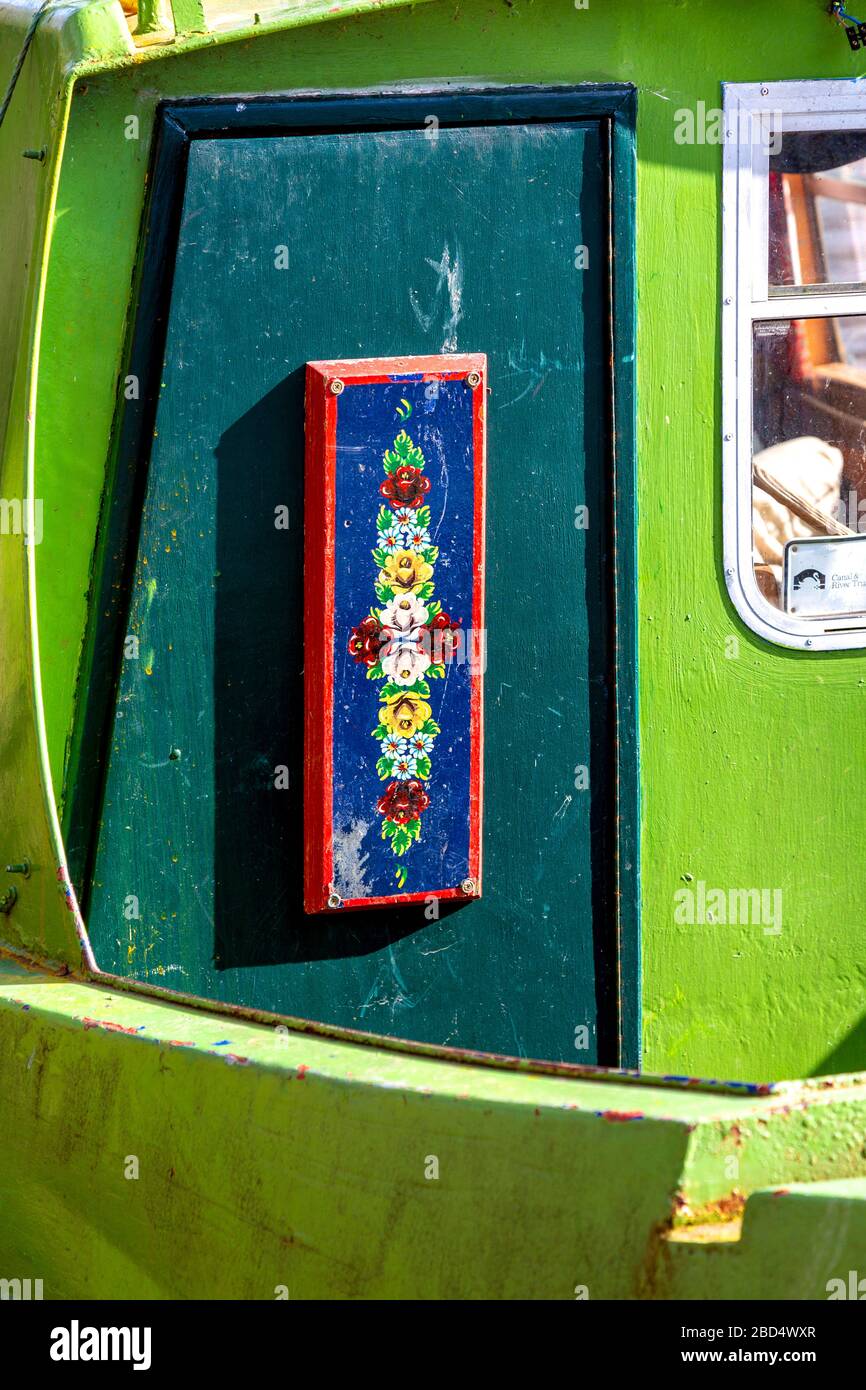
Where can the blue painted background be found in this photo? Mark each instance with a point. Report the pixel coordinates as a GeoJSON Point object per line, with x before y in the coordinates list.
{"type": "Point", "coordinates": [441, 426]}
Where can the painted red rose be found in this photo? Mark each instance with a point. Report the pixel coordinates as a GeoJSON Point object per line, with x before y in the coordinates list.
{"type": "Point", "coordinates": [366, 641]}
{"type": "Point", "coordinates": [443, 637]}
{"type": "Point", "coordinates": [405, 487]}
{"type": "Point", "coordinates": [403, 801]}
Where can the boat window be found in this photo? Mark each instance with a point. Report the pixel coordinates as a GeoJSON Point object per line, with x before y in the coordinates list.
{"type": "Point", "coordinates": [816, 210]}
{"type": "Point", "coordinates": [794, 361]}
{"type": "Point", "coordinates": [808, 422]}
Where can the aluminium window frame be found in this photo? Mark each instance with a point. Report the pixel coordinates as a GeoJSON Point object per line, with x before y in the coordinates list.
{"type": "Point", "coordinates": [753, 113]}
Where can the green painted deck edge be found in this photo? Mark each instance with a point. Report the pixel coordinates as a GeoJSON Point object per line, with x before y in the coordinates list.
{"type": "Point", "coordinates": [266, 1158]}
{"type": "Point", "coordinates": [287, 1045]}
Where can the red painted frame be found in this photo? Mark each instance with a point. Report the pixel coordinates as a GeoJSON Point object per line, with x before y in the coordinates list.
{"type": "Point", "coordinates": [322, 406]}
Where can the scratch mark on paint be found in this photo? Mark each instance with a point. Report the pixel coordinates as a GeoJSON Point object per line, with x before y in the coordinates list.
{"type": "Point", "coordinates": [450, 279]}
{"type": "Point", "coordinates": [535, 372]}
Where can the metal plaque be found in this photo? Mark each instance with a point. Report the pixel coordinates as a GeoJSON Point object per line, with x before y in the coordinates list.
{"type": "Point", "coordinates": [825, 577]}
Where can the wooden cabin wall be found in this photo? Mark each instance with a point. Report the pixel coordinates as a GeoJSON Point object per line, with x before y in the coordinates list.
{"type": "Point", "coordinates": [752, 764]}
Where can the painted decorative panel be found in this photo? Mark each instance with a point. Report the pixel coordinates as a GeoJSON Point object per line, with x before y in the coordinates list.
{"type": "Point", "coordinates": [394, 642]}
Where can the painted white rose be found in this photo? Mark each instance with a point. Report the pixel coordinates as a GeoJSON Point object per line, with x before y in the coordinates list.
{"type": "Point", "coordinates": [405, 614]}
{"type": "Point", "coordinates": [404, 664]}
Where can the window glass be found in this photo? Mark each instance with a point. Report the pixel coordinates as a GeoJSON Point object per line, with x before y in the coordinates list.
{"type": "Point", "coordinates": [817, 210]}
{"type": "Point", "coordinates": [808, 437]}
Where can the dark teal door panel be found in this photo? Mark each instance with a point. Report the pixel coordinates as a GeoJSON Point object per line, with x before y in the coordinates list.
{"type": "Point", "coordinates": [489, 238]}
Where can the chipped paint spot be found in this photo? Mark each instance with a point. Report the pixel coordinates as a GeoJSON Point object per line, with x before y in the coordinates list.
{"type": "Point", "coordinates": [110, 1027]}
{"type": "Point", "coordinates": [723, 1209]}
{"type": "Point", "coordinates": [63, 879]}
{"type": "Point", "coordinates": [350, 865]}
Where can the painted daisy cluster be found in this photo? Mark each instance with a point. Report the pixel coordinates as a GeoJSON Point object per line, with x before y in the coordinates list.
{"type": "Point", "coordinates": [406, 642]}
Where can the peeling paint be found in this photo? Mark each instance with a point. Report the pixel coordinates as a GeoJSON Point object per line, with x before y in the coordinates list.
{"type": "Point", "coordinates": [349, 861]}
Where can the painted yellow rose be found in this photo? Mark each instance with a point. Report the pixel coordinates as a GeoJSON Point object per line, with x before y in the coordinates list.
{"type": "Point", "coordinates": [404, 714]}
{"type": "Point", "coordinates": [405, 571]}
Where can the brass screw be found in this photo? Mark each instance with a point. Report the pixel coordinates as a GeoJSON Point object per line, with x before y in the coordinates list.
{"type": "Point", "coordinates": [337, 387]}
{"type": "Point", "coordinates": [473, 379]}
{"type": "Point", "coordinates": [335, 900]}
{"type": "Point", "coordinates": [469, 887]}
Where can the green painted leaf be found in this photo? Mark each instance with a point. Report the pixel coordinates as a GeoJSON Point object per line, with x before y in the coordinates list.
{"type": "Point", "coordinates": [436, 672]}
{"type": "Point", "coordinates": [384, 592]}
{"type": "Point", "coordinates": [390, 689]}
{"type": "Point", "coordinates": [380, 556]}
{"type": "Point", "coordinates": [385, 519]}
{"type": "Point", "coordinates": [407, 452]}
{"type": "Point", "coordinates": [375, 673]}
{"type": "Point", "coordinates": [423, 516]}
{"type": "Point", "coordinates": [433, 607]}
{"type": "Point", "coordinates": [422, 766]}
{"type": "Point", "coordinates": [425, 591]}
{"type": "Point", "coordinates": [388, 829]}
{"type": "Point", "coordinates": [384, 767]}
{"type": "Point", "coordinates": [419, 688]}
{"type": "Point", "coordinates": [431, 728]}
{"type": "Point", "coordinates": [431, 554]}
{"type": "Point", "coordinates": [414, 829]}
{"type": "Point", "coordinates": [381, 732]}
{"type": "Point", "coordinates": [400, 840]}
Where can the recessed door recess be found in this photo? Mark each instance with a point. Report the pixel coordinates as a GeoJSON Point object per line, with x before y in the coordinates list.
{"type": "Point", "coordinates": [313, 234]}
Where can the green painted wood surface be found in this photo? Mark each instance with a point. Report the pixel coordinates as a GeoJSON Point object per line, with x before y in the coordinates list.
{"type": "Point", "coordinates": [469, 238]}
{"type": "Point", "coordinates": [737, 753]}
